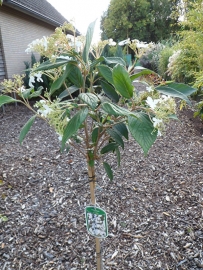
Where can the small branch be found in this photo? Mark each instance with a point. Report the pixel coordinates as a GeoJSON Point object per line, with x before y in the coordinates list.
{"type": "Point", "coordinates": [107, 137]}
{"type": "Point", "coordinates": [78, 149]}
{"type": "Point", "coordinates": [86, 135]}
{"type": "Point", "coordinates": [68, 90]}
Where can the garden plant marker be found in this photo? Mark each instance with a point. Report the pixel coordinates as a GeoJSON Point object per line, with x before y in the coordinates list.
{"type": "Point", "coordinates": [96, 221]}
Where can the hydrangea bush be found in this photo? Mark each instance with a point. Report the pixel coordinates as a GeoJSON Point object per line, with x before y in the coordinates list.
{"type": "Point", "coordinates": [98, 111]}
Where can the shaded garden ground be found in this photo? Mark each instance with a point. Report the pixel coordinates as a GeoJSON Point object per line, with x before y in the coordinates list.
{"type": "Point", "coordinates": [154, 204]}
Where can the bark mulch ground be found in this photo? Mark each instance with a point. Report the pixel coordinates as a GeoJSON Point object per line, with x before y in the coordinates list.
{"type": "Point", "coordinates": [154, 203]}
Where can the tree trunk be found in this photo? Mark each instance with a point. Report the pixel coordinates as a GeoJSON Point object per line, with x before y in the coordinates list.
{"type": "Point", "coordinates": [92, 179]}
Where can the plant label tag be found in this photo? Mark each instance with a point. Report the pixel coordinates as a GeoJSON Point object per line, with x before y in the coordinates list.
{"type": "Point", "coordinates": [96, 221]}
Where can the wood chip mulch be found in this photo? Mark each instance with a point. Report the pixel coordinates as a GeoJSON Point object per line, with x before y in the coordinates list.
{"type": "Point", "coordinates": [154, 203]}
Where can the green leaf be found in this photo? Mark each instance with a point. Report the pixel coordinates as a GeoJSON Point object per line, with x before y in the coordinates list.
{"type": "Point", "coordinates": [116, 137]}
{"type": "Point", "coordinates": [141, 71]}
{"type": "Point", "coordinates": [93, 116]}
{"type": "Point", "coordinates": [26, 93]}
{"type": "Point", "coordinates": [6, 99]}
{"type": "Point", "coordinates": [91, 162]}
{"type": "Point", "coordinates": [72, 89]}
{"type": "Point", "coordinates": [142, 130]}
{"type": "Point", "coordinates": [109, 148]}
{"type": "Point", "coordinates": [51, 65]}
{"type": "Point", "coordinates": [109, 90]}
{"type": "Point", "coordinates": [121, 127]}
{"type": "Point", "coordinates": [91, 158]}
{"type": "Point", "coordinates": [106, 72]}
{"type": "Point", "coordinates": [118, 154]}
{"type": "Point", "coordinates": [90, 99]}
{"type": "Point", "coordinates": [108, 170]}
{"type": "Point", "coordinates": [173, 116]}
{"type": "Point", "coordinates": [75, 75]}
{"type": "Point", "coordinates": [182, 88]}
{"type": "Point", "coordinates": [95, 133]}
{"type": "Point", "coordinates": [26, 128]}
{"type": "Point", "coordinates": [58, 83]}
{"type": "Point", "coordinates": [113, 109]}
{"type": "Point", "coordinates": [115, 60]}
{"type": "Point", "coordinates": [176, 90]}
{"type": "Point", "coordinates": [73, 125]}
{"type": "Point", "coordinates": [95, 62]}
{"type": "Point", "coordinates": [122, 81]}
{"type": "Point", "coordinates": [36, 93]}
{"type": "Point", "coordinates": [89, 35]}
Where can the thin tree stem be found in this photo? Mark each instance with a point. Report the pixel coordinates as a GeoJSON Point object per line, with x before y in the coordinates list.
{"type": "Point", "coordinates": [92, 179]}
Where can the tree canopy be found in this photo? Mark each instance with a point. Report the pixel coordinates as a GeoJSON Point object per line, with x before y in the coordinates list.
{"type": "Point", "coordinates": [146, 20]}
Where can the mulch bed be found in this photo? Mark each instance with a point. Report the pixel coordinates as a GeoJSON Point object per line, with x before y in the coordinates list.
{"type": "Point", "coordinates": [154, 203]}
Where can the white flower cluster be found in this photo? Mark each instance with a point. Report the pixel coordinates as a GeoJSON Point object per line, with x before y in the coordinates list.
{"type": "Point", "coordinates": [49, 110]}
{"type": "Point", "coordinates": [42, 42]}
{"type": "Point", "coordinates": [153, 104]}
{"type": "Point", "coordinates": [44, 109]}
{"type": "Point", "coordinates": [74, 43]}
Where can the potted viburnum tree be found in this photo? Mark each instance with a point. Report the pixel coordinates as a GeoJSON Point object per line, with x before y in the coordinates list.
{"type": "Point", "coordinates": [107, 107]}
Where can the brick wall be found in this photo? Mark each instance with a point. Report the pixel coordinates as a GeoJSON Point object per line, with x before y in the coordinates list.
{"type": "Point", "coordinates": [17, 31]}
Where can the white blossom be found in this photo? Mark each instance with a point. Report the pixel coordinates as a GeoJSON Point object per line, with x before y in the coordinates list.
{"type": "Point", "coordinates": [111, 42]}
{"type": "Point", "coordinates": [60, 138]}
{"type": "Point", "coordinates": [164, 97]}
{"type": "Point", "coordinates": [43, 42]}
{"type": "Point", "coordinates": [22, 89]}
{"type": "Point", "coordinates": [156, 122]}
{"type": "Point", "coordinates": [42, 101]}
{"type": "Point", "coordinates": [159, 133]}
{"type": "Point", "coordinates": [142, 45]}
{"type": "Point", "coordinates": [39, 77]}
{"type": "Point", "coordinates": [124, 42]}
{"type": "Point", "coordinates": [45, 110]}
{"type": "Point", "coordinates": [152, 102]}
{"type": "Point", "coordinates": [31, 81]}
{"type": "Point", "coordinates": [63, 57]}
{"type": "Point", "coordinates": [149, 88]}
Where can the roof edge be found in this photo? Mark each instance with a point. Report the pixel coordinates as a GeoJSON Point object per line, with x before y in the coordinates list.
{"type": "Point", "coordinates": [22, 8]}
{"type": "Point", "coordinates": [26, 10]}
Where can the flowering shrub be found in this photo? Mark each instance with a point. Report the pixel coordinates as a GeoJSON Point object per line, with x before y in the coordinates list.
{"type": "Point", "coordinates": [98, 120]}
{"type": "Point", "coordinates": [106, 94]}
{"type": "Point", "coordinates": [150, 58]}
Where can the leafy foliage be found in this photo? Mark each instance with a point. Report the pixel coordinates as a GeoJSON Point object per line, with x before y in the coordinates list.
{"type": "Point", "coordinates": [145, 20]}
{"type": "Point", "coordinates": [187, 61]}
